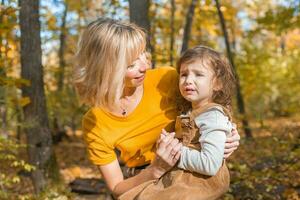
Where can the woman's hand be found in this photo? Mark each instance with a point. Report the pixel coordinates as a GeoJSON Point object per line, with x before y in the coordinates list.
{"type": "Point", "coordinates": [167, 153]}
{"type": "Point", "coordinates": [232, 142]}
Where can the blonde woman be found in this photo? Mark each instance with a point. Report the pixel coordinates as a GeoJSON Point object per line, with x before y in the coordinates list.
{"type": "Point", "coordinates": [130, 106]}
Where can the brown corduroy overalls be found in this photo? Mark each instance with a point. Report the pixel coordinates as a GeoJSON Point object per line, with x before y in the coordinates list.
{"type": "Point", "coordinates": [179, 184]}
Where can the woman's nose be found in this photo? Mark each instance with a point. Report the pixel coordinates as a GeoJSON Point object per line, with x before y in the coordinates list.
{"type": "Point", "coordinates": [144, 62]}
{"type": "Point", "coordinates": [143, 67]}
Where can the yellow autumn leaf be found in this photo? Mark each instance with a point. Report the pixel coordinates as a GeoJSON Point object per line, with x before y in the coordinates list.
{"type": "Point", "coordinates": [24, 101]}
{"type": "Point", "coordinates": [19, 82]}
{"type": "Point", "coordinates": [16, 179]}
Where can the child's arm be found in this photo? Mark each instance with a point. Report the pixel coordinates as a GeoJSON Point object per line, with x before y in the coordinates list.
{"type": "Point", "coordinates": [214, 126]}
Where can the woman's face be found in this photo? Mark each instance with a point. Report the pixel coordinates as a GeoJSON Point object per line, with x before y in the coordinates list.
{"type": "Point", "coordinates": [135, 73]}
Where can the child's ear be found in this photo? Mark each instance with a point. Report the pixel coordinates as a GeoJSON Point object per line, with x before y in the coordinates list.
{"type": "Point", "coordinates": [217, 85]}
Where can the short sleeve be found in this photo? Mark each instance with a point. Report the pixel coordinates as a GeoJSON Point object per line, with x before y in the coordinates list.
{"type": "Point", "coordinates": [99, 151]}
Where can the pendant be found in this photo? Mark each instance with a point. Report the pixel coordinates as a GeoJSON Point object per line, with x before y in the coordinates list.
{"type": "Point", "coordinates": [124, 112]}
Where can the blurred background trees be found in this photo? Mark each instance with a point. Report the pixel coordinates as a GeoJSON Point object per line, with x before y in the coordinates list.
{"type": "Point", "coordinates": [263, 36]}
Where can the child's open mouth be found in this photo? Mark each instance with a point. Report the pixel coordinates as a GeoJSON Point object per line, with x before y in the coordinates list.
{"type": "Point", "coordinates": [189, 90]}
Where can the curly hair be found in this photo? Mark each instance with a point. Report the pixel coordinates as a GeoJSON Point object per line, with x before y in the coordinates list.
{"type": "Point", "coordinates": [223, 71]}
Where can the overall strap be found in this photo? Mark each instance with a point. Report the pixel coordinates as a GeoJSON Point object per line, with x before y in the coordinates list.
{"type": "Point", "coordinates": [208, 106]}
{"type": "Point", "coordinates": [189, 132]}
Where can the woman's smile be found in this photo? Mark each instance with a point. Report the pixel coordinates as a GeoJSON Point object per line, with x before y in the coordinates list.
{"type": "Point", "coordinates": [140, 78]}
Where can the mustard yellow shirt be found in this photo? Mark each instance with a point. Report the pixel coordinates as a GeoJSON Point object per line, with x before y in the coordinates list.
{"type": "Point", "coordinates": [135, 135]}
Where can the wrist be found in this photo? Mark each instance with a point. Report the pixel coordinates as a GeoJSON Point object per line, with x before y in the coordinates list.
{"type": "Point", "coordinates": [155, 172]}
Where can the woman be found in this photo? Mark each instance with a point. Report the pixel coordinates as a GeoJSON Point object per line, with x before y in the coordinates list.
{"type": "Point", "coordinates": [130, 105]}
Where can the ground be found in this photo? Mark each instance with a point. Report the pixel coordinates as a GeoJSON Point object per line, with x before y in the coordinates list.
{"type": "Point", "coordinates": [265, 167]}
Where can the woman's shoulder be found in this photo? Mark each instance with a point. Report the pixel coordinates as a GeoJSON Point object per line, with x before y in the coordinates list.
{"type": "Point", "coordinates": [162, 72]}
{"type": "Point", "coordinates": [162, 77]}
{"type": "Point", "coordinates": [161, 69]}
{"type": "Point", "coordinates": [92, 116]}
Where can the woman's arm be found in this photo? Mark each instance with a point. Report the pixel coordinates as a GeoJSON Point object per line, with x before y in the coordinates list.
{"type": "Point", "coordinates": [112, 174]}
{"type": "Point", "coordinates": [164, 160]}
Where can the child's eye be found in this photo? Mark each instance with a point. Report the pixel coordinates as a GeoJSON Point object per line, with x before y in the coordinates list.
{"type": "Point", "coordinates": [183, 75]}
{"type": "Point", "coordinates": [198, 74]}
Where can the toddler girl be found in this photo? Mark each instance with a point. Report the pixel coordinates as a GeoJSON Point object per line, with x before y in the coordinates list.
{"type": "Point", "coordinates": [206, 82]}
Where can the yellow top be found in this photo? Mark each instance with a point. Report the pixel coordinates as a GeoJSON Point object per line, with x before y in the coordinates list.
{"type": "Point", "coordinates": [134, 135]}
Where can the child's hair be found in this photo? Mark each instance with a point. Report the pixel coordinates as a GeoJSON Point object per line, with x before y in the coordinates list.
{"type": "Point", "coordinates": [105, 49]}
{"type": "Point", "coordinates": [223, 71]}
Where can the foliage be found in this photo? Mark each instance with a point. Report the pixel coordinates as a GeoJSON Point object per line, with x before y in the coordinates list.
{"type": "Point", "coordinates": [11, 164]}
{"type": "Point", "coordinates": [265, 38]}
{"type": "Point", "coordinates": [56, 192]}
{"type": "Point", "coordinates": [64, 107]}
{"type": "Point", "coordinates": [273, 71]}
{"type": "Point", "coordinates": [268, 167]}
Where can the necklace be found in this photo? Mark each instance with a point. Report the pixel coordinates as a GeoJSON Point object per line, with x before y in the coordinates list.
{"type": "Point", "coordinates": [129, 102]}
{"type": "Point", "coordinates": [124, 112]}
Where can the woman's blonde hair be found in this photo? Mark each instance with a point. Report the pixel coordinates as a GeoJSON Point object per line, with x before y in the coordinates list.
{"type": "Point", "coordinates": [105, 49]}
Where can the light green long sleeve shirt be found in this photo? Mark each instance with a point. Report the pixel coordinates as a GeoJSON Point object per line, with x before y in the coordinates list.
{"type": "Point", "coordinates": [214, 126]}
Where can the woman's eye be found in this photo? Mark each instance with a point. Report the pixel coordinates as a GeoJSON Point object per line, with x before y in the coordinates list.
{"type": "Point", "coordinates": [130, 66]}
{"type": "Point", "coordinates": [199, 75]}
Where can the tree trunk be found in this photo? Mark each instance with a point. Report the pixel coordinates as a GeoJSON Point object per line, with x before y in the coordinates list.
{"type": "Point", "coordinates": [240, 100]}
{"type": "Point", "coordinates": [19, 129]}
{"type": "Point", "coordinates": [152, 36]}
{"type": "Point", "coordinates": [3, 113]}
{"type": "Point", "coordinates": [40, 151]}
{"type": "Point", "coordinates": [139, 14]}
{"type": "Point", "coordinates": [173, 8]}
{"type": "Point", "coordinates": [188, 26]}
{"type": "Point", "coordinates": [282, 43]}
{"type": "Point", "coordinates": [61, 52]}
{"type": "Point", "coordinates": [3, 109]}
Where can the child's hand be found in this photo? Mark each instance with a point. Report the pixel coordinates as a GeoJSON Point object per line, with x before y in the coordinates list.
{"type": "Point", "coordinates": [167, 153]}
{"type": "Point", "coordinates": [232, 142]}
{"type": "Point", "coordinates": [163, 134]}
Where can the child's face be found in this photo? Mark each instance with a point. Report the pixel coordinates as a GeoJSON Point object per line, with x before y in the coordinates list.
{"type": "Point", "coordinates": [196, 83]}
{"type": "Point", "coordinates": [135, 73]}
